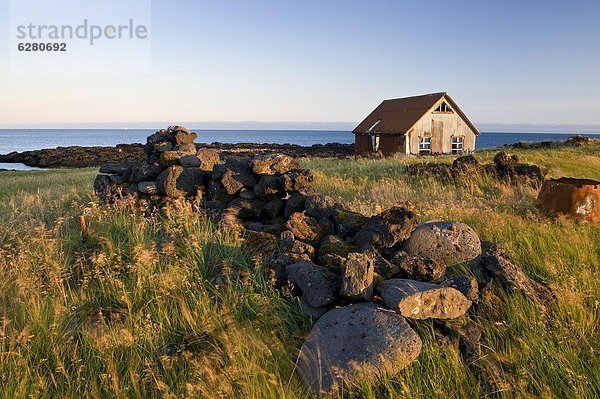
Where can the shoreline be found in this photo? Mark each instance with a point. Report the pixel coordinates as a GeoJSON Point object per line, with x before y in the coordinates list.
{"type": "Point", "coordinates": [95, 156]}
{"type": "Point", "coordinates": [82, 157]}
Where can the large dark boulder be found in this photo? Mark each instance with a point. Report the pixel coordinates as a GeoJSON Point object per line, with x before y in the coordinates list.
{"type": "Point", "coordinates": [358, 342]}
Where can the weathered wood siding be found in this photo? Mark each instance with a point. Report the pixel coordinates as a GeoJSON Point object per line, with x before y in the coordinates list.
{"type": "Point", "coordinates": [441, 127]}
{"type": "Point", "coordinates": [390, 144]}
{"type": "Point", "coordinates": [363, 144]}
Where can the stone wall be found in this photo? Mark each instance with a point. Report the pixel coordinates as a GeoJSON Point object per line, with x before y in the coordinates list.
{"type": "Point", "coordinates": [364, 280]}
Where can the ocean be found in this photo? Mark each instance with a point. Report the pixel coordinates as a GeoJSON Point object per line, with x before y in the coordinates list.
{"type": "Point", "coordinates": [36, 139]}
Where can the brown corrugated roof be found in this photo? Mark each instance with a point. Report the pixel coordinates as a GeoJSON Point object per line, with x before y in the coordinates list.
{"type": "Point", "coordinates": [399, 115]}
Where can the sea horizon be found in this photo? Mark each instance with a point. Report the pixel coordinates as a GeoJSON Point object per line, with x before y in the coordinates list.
{"type": "Point", "coordinates": [19, 140]}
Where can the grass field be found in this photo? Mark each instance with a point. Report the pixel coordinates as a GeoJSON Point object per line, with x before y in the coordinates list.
{"type": "Point", "coordinates": [131, 313]}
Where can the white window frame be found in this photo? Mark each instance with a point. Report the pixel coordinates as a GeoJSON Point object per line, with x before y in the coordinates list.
{"type": "Point", "coordinates": [424, 145]}
{"type": "Point", "coordinates": [458, 143]}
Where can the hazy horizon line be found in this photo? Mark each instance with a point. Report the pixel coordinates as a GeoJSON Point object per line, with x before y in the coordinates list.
{"type": "Point", "coordinates": [296, 125]}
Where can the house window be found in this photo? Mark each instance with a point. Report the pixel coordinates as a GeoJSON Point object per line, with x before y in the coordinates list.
{"type": "Point", "coordinates": [424, 145]}
{"type": "Point", "coordinates": [457, 145]}
{"type": "Point", "coordinates": [375, 138]}
{"type": "Point", "coordinates": [443, 108]}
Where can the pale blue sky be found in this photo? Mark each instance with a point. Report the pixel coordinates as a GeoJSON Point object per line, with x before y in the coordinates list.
{"type": "Point", "coordinates": [327, 61]}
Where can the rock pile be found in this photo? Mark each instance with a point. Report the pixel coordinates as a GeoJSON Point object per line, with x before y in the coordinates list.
{"type": "Point", "coordinates": [506, 167]}
{"type": "Point", "coordinates": [364, 280]}
{"type": "Point", "coordinates": [173, 168]}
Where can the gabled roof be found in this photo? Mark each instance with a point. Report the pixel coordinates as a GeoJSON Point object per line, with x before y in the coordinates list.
{"type": "Point", "coordinates": [399, 115]}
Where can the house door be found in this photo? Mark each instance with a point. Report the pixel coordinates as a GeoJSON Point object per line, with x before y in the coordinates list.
{"type": "Point", "coordinates": [437, 136]}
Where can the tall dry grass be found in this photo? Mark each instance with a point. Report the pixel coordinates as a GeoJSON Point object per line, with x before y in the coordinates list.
{"type": "Point", "coordinates": [131, 312]}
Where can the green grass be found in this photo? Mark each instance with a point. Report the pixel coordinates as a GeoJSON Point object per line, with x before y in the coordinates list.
{"type": "Point", "coordinates": [177, 336]}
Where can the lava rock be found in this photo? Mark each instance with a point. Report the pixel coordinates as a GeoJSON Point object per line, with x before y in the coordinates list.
{"type": "Point", "coordinates": [235, 174]}
{"type": "Point", "coordinates": [357, 277]}
{"type": "Point", "coordinates": [304, 228]}
{"type": "Point", "coordinates": [418, 268]}
{"type": "Point", "coordinates": [358, 342]}
{"type": "Point", "coordinates": [216, 192]}
{"type": "Point", "coordinates": [334, 245]}
{"type": "Point", "coordinates": [147, 187]}
{"type": "Point", "coordinates": [348, 223]}
{"type": "Point", "coordinates": [295, 203]}
{"type": "Point", "coordinates": [246, 209]}
{"type": "Point", "coordinates": [312, 312]}
{"type": "Point", "coordinates": [387, 228]}
{"type": "Point", "coordinates": [269, 188]}
{"type": "Point", "coordinates": [418, 300]}
{"type": "Point", "coordinates": [467, 285]}
{"type": "Point", "coordinates": [320, 206]}
{"type": "Point", "coordinates": [145, 172]}
{"type": "Point", "coordinates": [272, 209]}
{"type": "Point", "coordinates": [273, 164]}
{"type": "Point", "coordinates": [177, 181]}
{"type": "Point", "coordinates": [208, 159]}
{"type": "Point", "coordinates": [319, 286]}
{"type": "Point", "coordinates": [445, 242]}
{"type": "Point", "coordinates": [191, 161]}
{"type": "Point", "coordinates": [111, 169]}
{"type": "Point", "coordinates": [297, 180]}
{"type": "Point", "coordinates": [291, 245]}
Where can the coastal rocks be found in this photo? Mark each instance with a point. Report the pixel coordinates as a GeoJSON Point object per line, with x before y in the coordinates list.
{"type": "Point", "coordinates": [360, 341]}
{"type": "Point", "coordinates": [505, 167]}
{"type": "Point", "coordinates": [418, 300]}
{"type": "Point", "coordinates": [575, 198]}
{"type": "Point", "coordinates": [444, 242]}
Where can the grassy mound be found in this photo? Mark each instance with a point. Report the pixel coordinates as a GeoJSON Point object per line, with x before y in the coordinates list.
{"type": "Point", "coordinates": [131, 311]}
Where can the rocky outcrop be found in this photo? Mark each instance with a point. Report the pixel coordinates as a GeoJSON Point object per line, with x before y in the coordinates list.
{"type": "Point", "coordinates": [84, 157]}
{"type": "Point", "coordinates": [506, 167]}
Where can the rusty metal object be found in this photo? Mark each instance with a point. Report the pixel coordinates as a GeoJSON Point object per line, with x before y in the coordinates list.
{"type": "Point", "coordinates": [577, 198]}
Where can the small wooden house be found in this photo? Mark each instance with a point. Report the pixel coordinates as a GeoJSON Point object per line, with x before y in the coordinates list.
{"type": "Point", "coordinates": [420, 125]}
